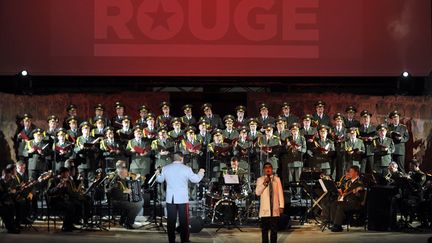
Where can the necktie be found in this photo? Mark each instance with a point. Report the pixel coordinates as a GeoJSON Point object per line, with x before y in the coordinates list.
{"type": "Point", "coordinates": [271, 197]}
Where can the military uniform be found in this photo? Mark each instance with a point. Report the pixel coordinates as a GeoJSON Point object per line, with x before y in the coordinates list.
{"type": "Point", "coordinates": [213, 120]}
{"type": "Point", "coordinates": [243, 149]}
{"type": "Point", "coordinates": [320, 119]}
{"type": "Point", "coordinates": [240, 121]}
{"type": "Point", "coordinates": [71, 111]}
{"type": "Point", "coordinates": [104, 119]}
{"type": "Point", "coordinates": [116, 121]}
{"type": "Point", "coordinates": [86, 151]}
{"type": "Point", "coordinates": [22, 136]}
{"type": "Point", "coordinates": [338, 135]}
{"type": "Point", "coordinates": [63, 151]}
{"type": "Point", "coordinates": [309, 133]}
{"type": "Point", "coordinates": [140, 157]}
{"type": "Point", "coordinates": [383, 149]}
{"type": "Point", "coordinates": [188, 119]}
{"type": "Point", "coordinates": [399, 134]}
{"type": "Point", "coordinates": [351, 122]}
{"type": "Point", "coordinates": [36, 151]}
{"type": "Point", "coordinates": [120, 201]}
{"type": "Point", "coordinates": [150, 132]}
{"type": "Point", "coordinates": [220, 154]}
{"type": "Point", "coordinates": [289, 118]}
{"type": "Point", "coordinates": [159, 145]}
{"type": "Point", "coordinates": [192, 148]}
{"type": "Point", "coordinates": [112, 151]}
{"type": "Point", "coordinates": [268, 150]}
{"type": "Point", "coordinates": [354, 150]}
{"type": "Point", "coordinates": [177, 135]}
{"type": "Point", "coordinates": [142, 121]}
{"type": "Point", "coordinates": [323, 152]}
{"type": "Point", "coordinates": [164, 120]}
{"type": "Point", "coordinates": [367, 134]}
{"type": "Point", "coordinates": [296, 149]}
{"type": "Point", "coordinates": [125, 133]}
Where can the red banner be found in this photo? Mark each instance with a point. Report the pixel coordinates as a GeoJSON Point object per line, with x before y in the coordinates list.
{"type": "Point", "coordinates": [216, 37]}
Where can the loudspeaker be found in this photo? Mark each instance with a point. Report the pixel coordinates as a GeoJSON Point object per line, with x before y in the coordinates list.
{"type": "Point", "coordinates": [196, 224]}
{"type": "Point", "coordinates": [379, 208]}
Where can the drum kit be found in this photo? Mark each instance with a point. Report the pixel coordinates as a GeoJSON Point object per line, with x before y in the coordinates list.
{"type": "Point", "coordinates": [230, 205]}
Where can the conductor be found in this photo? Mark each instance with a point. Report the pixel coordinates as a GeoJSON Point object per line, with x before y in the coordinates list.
{"type": "Point", "coordinates": [177, 176]}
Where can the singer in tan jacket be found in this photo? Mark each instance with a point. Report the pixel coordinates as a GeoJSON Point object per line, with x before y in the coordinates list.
{"type": "Point", "coordinates": [269, 188]}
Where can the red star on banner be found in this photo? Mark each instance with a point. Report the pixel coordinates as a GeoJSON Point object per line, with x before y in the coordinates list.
{"type": "Point", "coordinates": [160, 17]}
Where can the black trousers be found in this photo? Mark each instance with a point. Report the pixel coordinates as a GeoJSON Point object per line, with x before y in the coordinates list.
{"type": "Point", "coordinates": [129, 210]}
{"type": "Point", "coordinates": [272, 224]}
{"type": "Point", "coordinates": [400, 161]}
{"type": "Point", "coordinates": [340, 209]}
{"type": "Point", "coordinates": [182, 210]}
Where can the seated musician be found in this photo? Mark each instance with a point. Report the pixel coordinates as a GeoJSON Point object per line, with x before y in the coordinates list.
{"type": "Point", "coordinates": [22, 198]}
{"type": "Point", "coordinates": [351, 199]}
{"type": "Point", "coordinates": [234, 169]}
{"type": "Point", "coordinates": [121, 196]}
{"type": "Point", "coordinates": [66, 196]}
{"type": "Point", "coordinates": [393, 173]}
{"type": "Point", "coordinates": [7, 206]}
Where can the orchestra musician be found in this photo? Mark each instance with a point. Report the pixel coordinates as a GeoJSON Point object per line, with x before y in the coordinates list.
{"type": "Point", "coordinates": [65, 195]}
{"type": "Point", "coordinates": [350, 199]}
{"type": "Point", "coordinates": [122, 194]}
{"type": "Point", "coordinates": [7, 205]}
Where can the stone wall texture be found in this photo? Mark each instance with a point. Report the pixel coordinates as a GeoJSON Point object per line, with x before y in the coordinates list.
{"type": "Point", "coordinates": [417, 112]}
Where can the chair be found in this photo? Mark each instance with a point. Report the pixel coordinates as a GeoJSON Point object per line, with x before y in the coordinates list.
{"type": "Point", "coordinates": [358, 216]}
{"type": "Point", "coordinates": [52, 212]}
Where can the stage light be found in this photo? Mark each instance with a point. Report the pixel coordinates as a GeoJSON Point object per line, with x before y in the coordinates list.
{"type": "Point", "coordinates": [405, 74]}
{"type": "Point", "coordinates": [24, 73]}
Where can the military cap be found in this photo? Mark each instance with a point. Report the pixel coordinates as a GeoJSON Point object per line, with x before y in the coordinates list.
{"type": "Point", "coordinates": [52, 117]}
{"type": "Point", "coordinates": [394, 113]}
{"type": "Point", "coordinates": [71, 118]}
{"type": "Point", "coordinates": [163, 129]}
{"type": "Point", "coordinates": [337, 115]}
{"type": "Point", "coordinates": [217, 132]}
{"type": "Point", "coordinates": [137, 127]}
{"type": "Point", "coordinates": [71, 107]}
{"type": "Point", "coordinates": [365, 113]}
{"type": "Point", "coordinates": [190, 129]}
{"type": "Point", "coordinates": [61, 131]}
{"type": "Point", "coordinates": [307, 117]}
{"type": "Point", "coordinates": [243, 129]}
{"type": "Point", "coordinates": [229, 117]}
{"type": "Point", "coordinates": [26, 116]}
{"type": "Point", "coordinates": [85, 124]}
{"type": "Point", "coordinates": [320, 103]}
{"type": "Point", "coordinates": [118, 105]}
{"type": "Point", "coordinates": [202, 121]}
{"type": "Point", "coordinates": [252, 121]}
{"type": "Point", "coordinates": [163, 104]}
{"type": "Point", "coordinates": [323, 127]}
{"type": "Point", "coordinates": [126, 118]}
{"type": "Point", "coordinates": [176, 120]}
{"type": "Point", "coordinates": [206, 106]}
{"type": "Point", "coordinates": [240, 108]}
{"type": "Point", "coordinates": [263, 106]}
{"type": "Point", "coordinates": [351, 109]}
{"type": "Point", "coordinates": [38, 131]}
{"type": "Point", "coordinates": [99, 118]}
{"type": "Point", "coordinates": [109, 128]}
{"type": "Point", "coordinates": [150, 116]}
{"type": "Point", "coordinates": [285, 105]}
{"type": "Point", "coordinates": [187, 107]}
{"type": "Point", "coordinates": [143, 108]}
{"type": "Point", "coordinates": [352, 130]}
{"type": "Point", "coordinates": [99, 107]}
{"type": "Point", "coordinates": [381, 126]}
{"type": "Point", "coordinates": [295, 125]}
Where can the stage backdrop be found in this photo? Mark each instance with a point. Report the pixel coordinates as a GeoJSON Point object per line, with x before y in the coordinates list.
{"type": "Point", "coordinates": [216, 37]}
{"type": "Point", "coordinates": [417, 112]}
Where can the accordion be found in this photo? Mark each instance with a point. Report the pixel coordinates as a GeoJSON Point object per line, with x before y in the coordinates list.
{"type": "Point", "coordinates": [136, 194]}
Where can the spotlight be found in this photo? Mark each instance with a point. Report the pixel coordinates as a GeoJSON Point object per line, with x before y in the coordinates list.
{"type": "Point", "coordinates": [24, 73]}
{"type": "Point", "coordinates": [405, 74]}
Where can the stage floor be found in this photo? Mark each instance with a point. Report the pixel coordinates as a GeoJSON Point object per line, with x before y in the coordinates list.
{"type": "Point", "coordinates": [304, 233]}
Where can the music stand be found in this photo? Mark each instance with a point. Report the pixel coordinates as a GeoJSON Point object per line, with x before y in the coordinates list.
{"type": "Point", "coordinates": [157, 204]}
{"type": "Point", "coordinates": [92, 190]}
{"type": "Point", "coordinates": [308, 179]}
